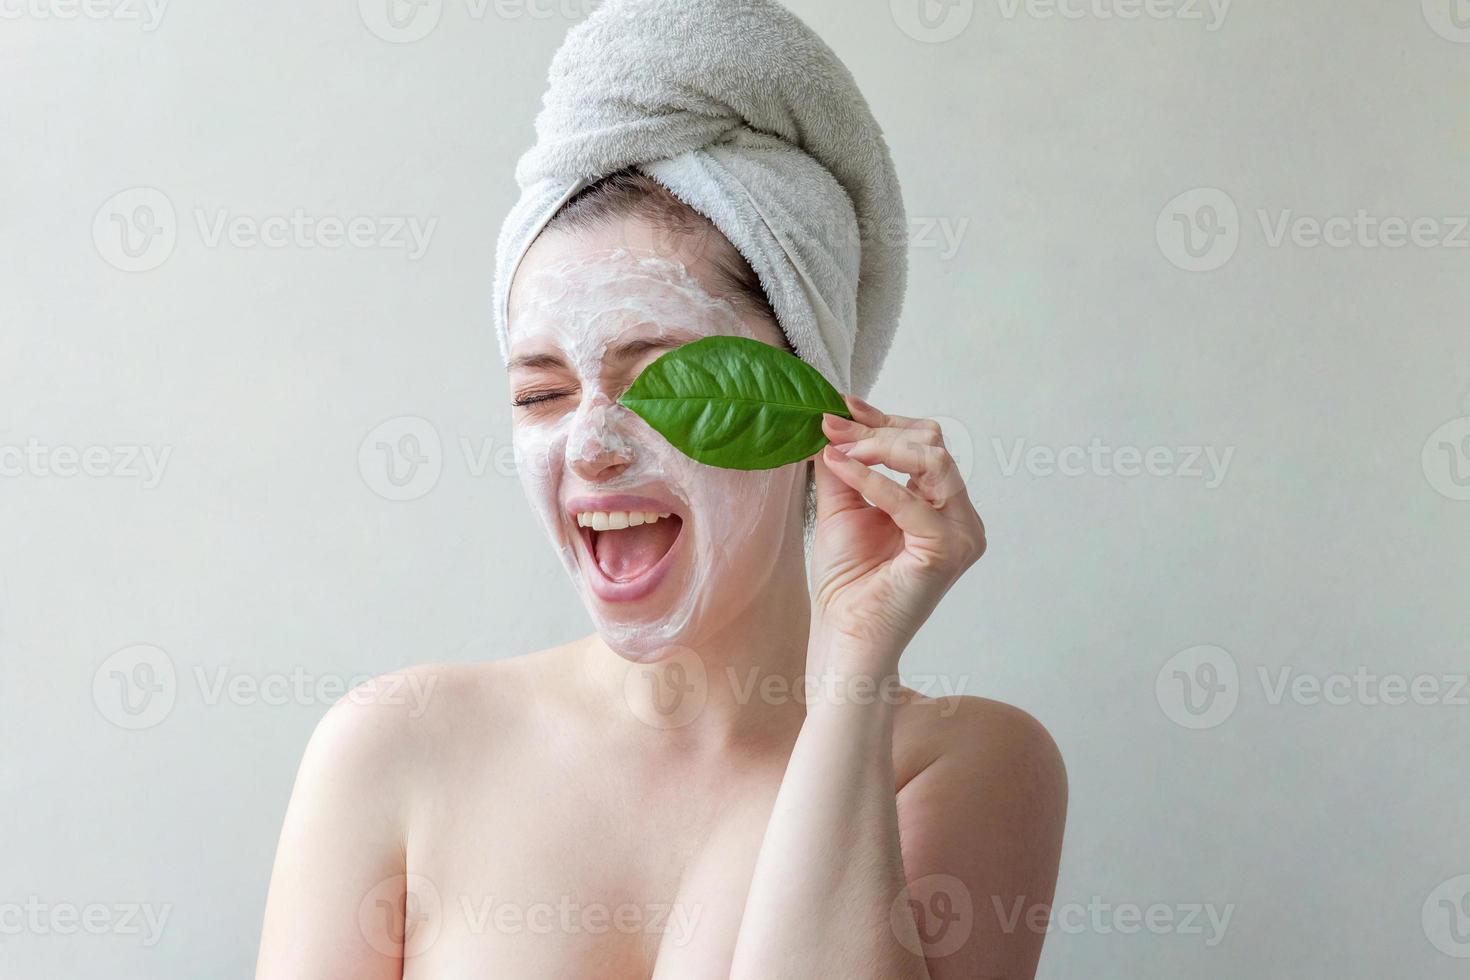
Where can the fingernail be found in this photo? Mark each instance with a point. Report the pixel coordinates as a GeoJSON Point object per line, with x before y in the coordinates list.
{"type": "Point", "coordinates": [844, 447]}
{"type": "Point", "coordinates": [833, 454]}
{"type": "Point", "coordinates": [837, 421]}
{"type": "Point", "coordinates": [857, 402]}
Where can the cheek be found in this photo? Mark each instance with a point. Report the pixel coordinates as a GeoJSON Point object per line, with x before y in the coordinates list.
{"type": "Point", "coordinates": [539, 449]}
{"type": "Point", "coordinates": [745, 514]}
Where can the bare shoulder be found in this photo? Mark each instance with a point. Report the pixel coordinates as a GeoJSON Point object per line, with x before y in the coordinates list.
{"type": "Point", "coordinates": [383, 748]}
{"type": "Point", "coordinates": [966, 723]}
{"type": "Point", "coordinates": [997, 745]}
{"type": "Point", "coordinates": [981, 818]}
{"type": "Point", "coordinates": [403, 722]}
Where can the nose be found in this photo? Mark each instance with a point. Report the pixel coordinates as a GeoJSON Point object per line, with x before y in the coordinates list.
{"type": "Point", "coordinates": [598, 448]}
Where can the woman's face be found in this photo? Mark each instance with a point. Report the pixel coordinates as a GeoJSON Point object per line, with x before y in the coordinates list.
{"type": "Point", "coordinates": [664, 551]}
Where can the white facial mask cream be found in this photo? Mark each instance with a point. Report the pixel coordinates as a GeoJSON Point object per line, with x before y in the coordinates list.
{"type": "Point", "coordinates": [730, 524]}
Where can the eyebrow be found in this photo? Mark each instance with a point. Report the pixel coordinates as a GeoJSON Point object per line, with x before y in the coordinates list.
{"type": "Point", "coordinates": [636, 348]}
{"type": "Point", "coordinates": [626, 350]}
{"type": "Point", "coordinates": [541, 359]}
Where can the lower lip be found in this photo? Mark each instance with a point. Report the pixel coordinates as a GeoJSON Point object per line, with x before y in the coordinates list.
{"type": "Point", "coordinates": [634, 589]}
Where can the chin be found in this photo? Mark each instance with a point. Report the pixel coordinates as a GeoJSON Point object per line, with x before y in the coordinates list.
{"type": "Point", "coordinates": [694, 608]}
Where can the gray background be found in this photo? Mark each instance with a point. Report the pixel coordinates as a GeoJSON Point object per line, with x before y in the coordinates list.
{"type": "Point", "coordinates": [1055, 147]}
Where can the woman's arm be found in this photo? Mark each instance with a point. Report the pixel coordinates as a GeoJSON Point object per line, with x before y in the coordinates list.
{"type": "Point", "coordinates": [830, 867]}
{"type": "Point", "coordinates": [337, 894]}
{"type": "Point", "coordinates": [980, 829]}
{"type": "Point", "coordinates": [976, 832]}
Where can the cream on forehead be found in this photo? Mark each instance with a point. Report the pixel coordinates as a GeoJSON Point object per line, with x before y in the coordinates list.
{"type": "Point", "coordinates": [616, 288]}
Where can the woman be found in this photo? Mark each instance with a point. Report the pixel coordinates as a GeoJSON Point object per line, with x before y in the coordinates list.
{"type": "Point", "coordinates": [725, 780]}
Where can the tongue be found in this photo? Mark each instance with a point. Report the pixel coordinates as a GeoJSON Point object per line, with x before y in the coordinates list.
{"type": "Point", "coordinates": [626, 554]}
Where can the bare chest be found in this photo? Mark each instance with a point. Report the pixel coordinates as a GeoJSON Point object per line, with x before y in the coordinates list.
{"type": "Point", "coordinates": [543, 872]}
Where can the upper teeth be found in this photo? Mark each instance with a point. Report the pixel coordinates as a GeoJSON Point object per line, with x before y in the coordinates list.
{"type": "Point", "coordinates": [614, 520]}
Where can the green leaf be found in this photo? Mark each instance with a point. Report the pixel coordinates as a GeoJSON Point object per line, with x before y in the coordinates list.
{"type": "Point", "coordinates": [735, 403]}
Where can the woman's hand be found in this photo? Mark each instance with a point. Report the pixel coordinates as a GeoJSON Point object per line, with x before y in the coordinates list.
{"type": "Point", "coordinates": [880, 568]}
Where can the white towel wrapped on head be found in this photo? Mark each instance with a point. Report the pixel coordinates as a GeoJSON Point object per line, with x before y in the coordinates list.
{"type": "Point", "coordinates": [745, 115]}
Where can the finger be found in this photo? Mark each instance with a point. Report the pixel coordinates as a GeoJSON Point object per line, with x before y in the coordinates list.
{"type": "Point", "coordinates": [876, 418]}
{"type": "Point", "coordinates": [913, 514]}
{"type": "Point", "coordinates": [841, 430]}
{"type": "Point", "coordinates": [833, 495]}
{"type": "Point", "coordinates": [838, 429]}
{"type": "Point", "coordinates": [934, 474]}
{"type": "Point", "coordinates": [961, 510]}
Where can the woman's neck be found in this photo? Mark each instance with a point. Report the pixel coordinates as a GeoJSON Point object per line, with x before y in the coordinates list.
{"type": "Point", "coordinates": [741, 684]}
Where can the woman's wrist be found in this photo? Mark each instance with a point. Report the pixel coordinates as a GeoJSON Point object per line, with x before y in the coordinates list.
{"type": "Point", "coordinates": [854, 709]}
{"type": "Point", "coordinates": [830, 647]}
{"type": "Point", "coordinates": [844, 670]}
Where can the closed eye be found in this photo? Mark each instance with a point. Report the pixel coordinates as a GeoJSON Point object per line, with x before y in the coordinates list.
{"type": "Point", "coordinates": [535, 398]}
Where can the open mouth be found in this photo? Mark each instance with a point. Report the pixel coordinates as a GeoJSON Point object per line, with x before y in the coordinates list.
{"type": "Point", "coordinates": [629, 549]}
